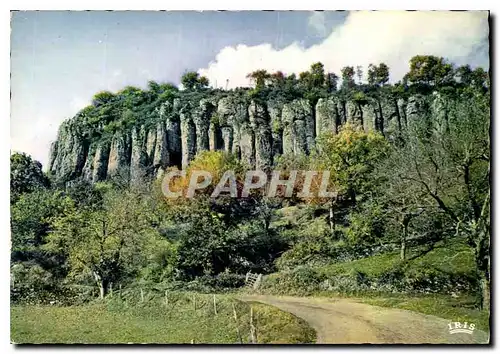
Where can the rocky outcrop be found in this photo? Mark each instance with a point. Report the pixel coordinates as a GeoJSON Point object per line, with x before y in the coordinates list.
{"type": "Point", "coordinates": [416, 108]}
{"type": "Point", "coordinates": [201, 118]}
{"type": "Point", "coordinates": [101, 159]}
{"type": "Point", "coordinates": [161, 158]}
{"type": "Point", "coordinates": [119, 156]}
{"type": "Point", "coordinates": [188, 136]}
{"type": "Point", "coordinates": [274, 110]}
{"type": "Point", "coordinates": [327, 116]}
{"type": "Point", "coordinates": [255, 130]}
{"type": "Point", "coordinates": [139, 158]}
{"type": "Point", "coordinates": [298, 127]}
{"type": "Point", "coordinates": [68, 153]}
{"type": "Point", "coordinates": [260, 123]}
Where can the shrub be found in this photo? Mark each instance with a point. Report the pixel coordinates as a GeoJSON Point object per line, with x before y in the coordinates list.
{"type": "Point", "coordinates": [353, 281]}
{"type": "Point", "coordinates": [302, 280]}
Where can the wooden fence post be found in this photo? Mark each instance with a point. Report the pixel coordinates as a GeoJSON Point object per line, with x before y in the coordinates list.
{"type": "Point", "coordinates": [166, 297]}
{"type": "Point", "coordinates": [257, 281]}
{"type": "Point", "coordinates": [215, 306]}
{"type": "Point", "coordinates": [142, 295]}
{"type": "Point", "coordinates": [253, 336]}
{"type": "Point", "coordinates": [194, 301]}
{"type": "Point", "coordinates": [237, 325]}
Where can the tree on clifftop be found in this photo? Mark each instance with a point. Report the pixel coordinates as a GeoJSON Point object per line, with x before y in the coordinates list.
{"type": "Point", "coordinates": [193, 81]}
{"type": "Point", "coordinates": [259, 77]}
{"type": "Point", "coordinates": [430, 70]}
{"type": "Point", "coordinates": [378, 75]}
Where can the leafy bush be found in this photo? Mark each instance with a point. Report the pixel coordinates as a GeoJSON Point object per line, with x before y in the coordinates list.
{"type": "Point", "coordinates": [302, 280]}
{"type": "Point", "coordinates": [347, 283]}
{"type": "Point", "coordinates": [31, 284]}
{"type": "Point", "coordinates": [221, 282]}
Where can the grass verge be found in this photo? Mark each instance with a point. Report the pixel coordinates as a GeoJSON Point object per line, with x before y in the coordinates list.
{"type": "Point", "coordinates": [187, 318]}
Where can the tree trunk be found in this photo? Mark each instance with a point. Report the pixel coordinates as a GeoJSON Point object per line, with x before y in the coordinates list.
{"type": "Point", "coordinates": [267, 223]}
{"type": "Point", "coordinates": [404, 237]}
{"type": "Point", "coordinates": [102, 283]}
{"type": "Point", "coordinates": [103, 288]}
{"type": "Point", "coordinates": [403, 248]}
{"type": "Point", "coordinates": [332, 216]}
{"type": "Point", "coordinates": [352, 195]}
{"type": "Point", "coordinates": [485, 293]}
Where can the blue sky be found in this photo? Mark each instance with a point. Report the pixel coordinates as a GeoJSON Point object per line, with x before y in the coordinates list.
{"type": "Point", "coordinates": [60, 59]}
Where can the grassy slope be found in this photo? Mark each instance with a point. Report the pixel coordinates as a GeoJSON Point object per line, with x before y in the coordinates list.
{"type": "Point", "coordinates": [454, 257]}
{"type": "Point", "coordinates": [117, 322]}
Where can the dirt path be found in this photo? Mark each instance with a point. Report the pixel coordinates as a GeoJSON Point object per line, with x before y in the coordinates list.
{"type": "Point", "coordinates": [341, 321]}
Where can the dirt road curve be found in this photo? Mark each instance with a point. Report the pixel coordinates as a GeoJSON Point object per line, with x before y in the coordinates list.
{"type": "Point", "coordinates": [341, 321]}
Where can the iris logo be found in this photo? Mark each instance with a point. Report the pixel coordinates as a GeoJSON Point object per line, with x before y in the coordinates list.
{"type": "Point", "coordinates": [459, 327]}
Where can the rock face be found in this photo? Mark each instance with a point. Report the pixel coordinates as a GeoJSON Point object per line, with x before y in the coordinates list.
{"type": "Point", "coordinates": [299, 132]}
{"type": "Point", "coordinates": [260, 125]}
{"type": "Point", "coordinates": [119, 156]}
{"type": "Point", "coordinates": [68, 153]}
{"type": "Point", "coordinates": [256, 131]}
{"type": "Point", "coordinates": [101, 158]}
{"type": "Point", "coordinates": [161, 159]}
{"type": "Point", "coordinates": [188, 136]}
{"type": "Point", "coordinates": [139, 159]}
{"type": "Point", "coordinates": [327, 116]}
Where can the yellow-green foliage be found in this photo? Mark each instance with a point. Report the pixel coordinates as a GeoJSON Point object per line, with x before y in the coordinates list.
{"type": "Point", "coordinates": [349, 156]}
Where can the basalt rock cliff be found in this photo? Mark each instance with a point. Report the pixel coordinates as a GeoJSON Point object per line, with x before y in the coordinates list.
{"type": "Point", "coordinates": [256, 130]}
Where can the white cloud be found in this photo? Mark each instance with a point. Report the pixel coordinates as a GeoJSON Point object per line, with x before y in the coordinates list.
{"type": "Point", "coordinates": [365, 37]}
{"type": "Point", "coordinates": [317, 23]}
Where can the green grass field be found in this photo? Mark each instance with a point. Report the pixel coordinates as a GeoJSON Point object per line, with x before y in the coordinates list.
{"type": "Point", "coordinates": [117, 321]}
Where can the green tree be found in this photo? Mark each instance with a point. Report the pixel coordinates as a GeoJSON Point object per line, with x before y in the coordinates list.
{"type": "Point", "coordinates": [106, 243]}
{"type": "Point", "coordinates": [209, 245]}
{"type": "Point", "coordinates": [153, 86]}
{"type": "Point", "coordinates": [331, 81]}
{"type": "Point", "coordinates": [31, 215]}
{"type": "Point", "coordinates": [305, 80]}
{"type": "Point", "coordinates": [378, 75]}
{"type": "Point", "coordinates": [430, 70]}
{"type": "Point", "coordinates": [277, 80]}
{"type": "Point", "coordinates": [102, 98]}
{"type": "Point", "coordinates": [350, 156]}
{"type": "Point", "coordinates": [317, 74]}
{"type": "Point", "coordinates": [464, 74]}
{"type": "Point", "coordinates": [191, 80]}
{"type": "Point", "coordinates": [480, 79]}
{"type": "Point", "coordinates": [359, 73]}
{"type": "Point", "coordinates": [203, 82]}
{"type": "Point", "coordinates": [260, 78]}
{"type": "Point", "coordinates": [347, 78]}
